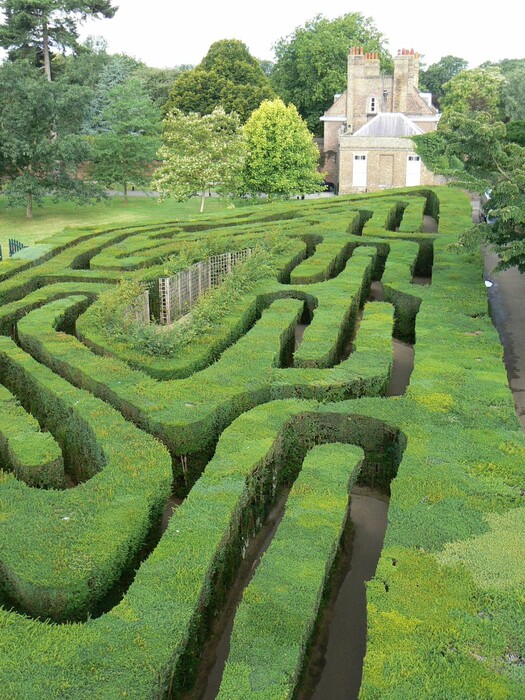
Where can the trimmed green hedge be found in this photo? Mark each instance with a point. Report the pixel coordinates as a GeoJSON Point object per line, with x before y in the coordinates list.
{"type": "Point", "coordinates": [266, 657]}
{"type": "Point", "coordinates": [445, 609]}
{"type": "Point", "coordinates": [33, 456]}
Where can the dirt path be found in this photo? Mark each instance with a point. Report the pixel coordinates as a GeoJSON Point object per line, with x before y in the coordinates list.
{"type": "Point", "coordinates": [507, 309]}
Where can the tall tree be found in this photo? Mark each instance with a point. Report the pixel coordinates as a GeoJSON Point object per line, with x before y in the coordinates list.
{"type": "Point", "coordinates": [228, 76]}
{"type": "Point", "coordinates": [125, 149]}
{"type": "Point", "coordinates": [199, 152]}
{"type": "Point", "coordinates": [472, 150]}
{"type": "Point", "coordinates": [158, 82]}
{"type": "Point", "coordinates": [311, 63]}
{"type": "Point", "coordinates": [435, 76]}
{"type": "Point", "coordinates": [40, 146]}
{"type": "Point", "coordinates": [476, 90]}
{"type": "Point", "coordinates": [34, 28]}
{"type": "Point", "coordinates": [117, 70]}
{"type": "Point", "coordinates": [516, 131]}
{"type": "Point", "coordinates": [281, 156]}
{"type": "Point", "coordinates": [514, 89]}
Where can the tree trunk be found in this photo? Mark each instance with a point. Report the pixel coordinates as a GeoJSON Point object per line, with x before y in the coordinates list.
{"type": "Point", "coordinates": [203, 197]}
{"type": "Point", "coordinates": [126, 192]}
{"type": "Point", "coordinates": [47, 60]}
{"type": "Point", "coordinates": [29, 207]}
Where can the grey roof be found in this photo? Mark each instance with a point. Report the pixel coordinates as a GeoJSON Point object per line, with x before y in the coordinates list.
{"type": "Point", "coordinates": [389, 124]}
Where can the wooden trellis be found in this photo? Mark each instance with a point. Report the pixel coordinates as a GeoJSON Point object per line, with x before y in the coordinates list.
{"type": "Point", "coordinates": [139, 310]}
{"type": "Point", "coordinates": [179, 293]}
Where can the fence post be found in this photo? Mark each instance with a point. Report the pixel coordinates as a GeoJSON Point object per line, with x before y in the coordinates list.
{"type": "Point", "coordinates": [145, 311]}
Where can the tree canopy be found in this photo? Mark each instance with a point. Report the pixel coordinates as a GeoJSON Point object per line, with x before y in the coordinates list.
{"type": "Point", "coordinates": [311, 65]}
{"type": "Point", "coordinates": [117, 69]}
{"type": "Point", "coordinates": [158, 82]}
{"type": "Point", "coordinates": [514, 89]}
{"type": "Point", "coordinates": [436, 75]}
{"type": "Point", "coordinates": [472, 150]}
{"type": "Point", "coordinates": [40, 143]}
{"type": "Point", "coordinates": [32, 29]}
{"type": "Point", "coordinates": [228, 76]}
{"type": "Point", "coordinates": [281, 156]}
{"type": "Point", "coordinates": [125, 147]}
{"type": "Point", "coordinates": [199, 152]}
{"type": "Point", "coordinates": [476, 90]}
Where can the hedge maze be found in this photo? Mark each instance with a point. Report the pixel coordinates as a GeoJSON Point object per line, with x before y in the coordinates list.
{"type": "Point", "coordinates": [96, 435]}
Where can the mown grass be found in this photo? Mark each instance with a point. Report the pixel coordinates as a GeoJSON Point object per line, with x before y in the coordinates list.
{"type": "Point", "coordinates": [55, 216]}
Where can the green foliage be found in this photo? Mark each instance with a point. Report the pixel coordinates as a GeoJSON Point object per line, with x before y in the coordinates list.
{"type": "Point", "coordinates": [128, 140]}
{"type": "Point", "coordinates": [228, 77]}
{"type": "Point", "coordinates": [281, 156]}
{"type": "Point", "coordinates": [40, 145]}
{"type": "Point", "coordinates": [436, 75]}
{"type": "Point", "coordinates": [115, 318]}
{"type": "Point", "coordinates": [311, 65]}
{"type": "Point", "coordinates": [32, 28]}
{"type": "Point", "coordinates": [445, 608]}
{"type": "Point", "coordinates": [295, 568]}
{"type": "Point", "coordinates": [199, 152]}
{"type": "Point", "coordinates": [514, 91]}
{"type": "Point", "coordinates": [33, 456]}
{"type": "Point", "coordinates": [515, 132]}
{"type": "Point", "coordinates": [115, 72]}
{"type": "Point", "coordinates": [476, 90]}
{"type": "Point", "coordinates": [158, 82]}
{"type": "Point", "coordinates": [474, 152]}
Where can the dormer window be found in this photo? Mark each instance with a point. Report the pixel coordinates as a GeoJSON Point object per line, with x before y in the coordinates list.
{"type": "Point", "coordinates": [372, 106]}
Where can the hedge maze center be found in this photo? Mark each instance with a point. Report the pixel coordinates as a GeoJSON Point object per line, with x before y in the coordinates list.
{"type": "Point", "coordinates": [292, 396]}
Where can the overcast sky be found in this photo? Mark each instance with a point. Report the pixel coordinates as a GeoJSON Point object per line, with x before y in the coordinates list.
{"type": "Point", "coordinates": [167, 33]}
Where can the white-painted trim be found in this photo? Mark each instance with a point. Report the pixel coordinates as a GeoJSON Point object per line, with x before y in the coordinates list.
{"type": "Point", "coordinates": [424, 117]}
{"type": "Point", "coordinates": [333, 119]}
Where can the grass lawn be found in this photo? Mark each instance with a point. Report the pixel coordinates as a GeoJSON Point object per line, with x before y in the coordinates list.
{"type": "Point", "coordinates": [53, 217]}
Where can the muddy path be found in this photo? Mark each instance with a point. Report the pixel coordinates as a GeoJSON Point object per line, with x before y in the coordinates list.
{"type": "Point", "coordinates": [506, 296]}
{"type": "Point", "coordinates": [507, 309]}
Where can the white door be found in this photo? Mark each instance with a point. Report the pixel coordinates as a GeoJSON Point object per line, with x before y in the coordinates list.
{"type": "Point", "coordinates": [413, 171]}
{"type": "Point", "coordinates": [359, 170]}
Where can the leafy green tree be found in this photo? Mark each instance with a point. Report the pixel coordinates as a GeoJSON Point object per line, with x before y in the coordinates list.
{"type": "Point", "coordinates": [125, 150]}
{"type": "Point", "coordinates": [281, 156]}
{"type": "Point", "coordinates": [435, 76]}
{"type": "Point", "coordinates": [311, 64]}
{"type": "Point", "coordinates": [228, 76]}
{"type": "Point", "coordinates": [85, 66]}
{"type": "Point", "coordinates": [200, 152]}
{"type": "Point", "coordinates": [266, 66]}
{"type": "Point", "coordinates": [33, 28]}
{"type": "Point", "coordinates": [158, 82]}
{"type": "Point", "coordinates": [472, 150]}
{"type": "Point", "coordinates": [476, 90]}
{"type": "Point", "coordinates": [40, 146]}
{"type": "Point", "coordinates": [116, 71]}
{"type": "Point", "coordinates": [516, 132]}
{"type": "Point", "coordinates": [514, 92]}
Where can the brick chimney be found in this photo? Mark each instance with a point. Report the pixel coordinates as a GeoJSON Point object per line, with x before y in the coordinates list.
{"type": "Point", "coordinates": [406, 77]}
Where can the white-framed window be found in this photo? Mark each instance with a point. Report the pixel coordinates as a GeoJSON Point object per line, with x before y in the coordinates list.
{"type": "Point", "coordinates": [372, 105]}
{"type": "Point", "coordinates": [413, 159]}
